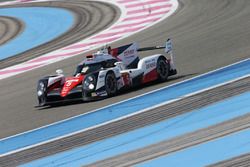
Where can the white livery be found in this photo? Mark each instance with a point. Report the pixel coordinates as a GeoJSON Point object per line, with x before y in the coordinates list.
{"type": "Point", "coordinates": [107, 71]}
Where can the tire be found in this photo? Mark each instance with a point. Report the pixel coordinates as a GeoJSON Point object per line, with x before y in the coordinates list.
{"type": "Point", "coordinates": [110, 84]}
{"type": "Point", "coordinates": [162, 69]}
{"type": "Point", "coordinates": [42, 99]}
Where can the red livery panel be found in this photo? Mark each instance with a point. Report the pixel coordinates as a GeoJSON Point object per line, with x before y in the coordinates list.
{"type": "Point", "coordinates": [70, 83]}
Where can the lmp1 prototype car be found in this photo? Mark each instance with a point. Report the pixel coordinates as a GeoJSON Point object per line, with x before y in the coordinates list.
{"type": "Point", "coordinates": [105, 72]}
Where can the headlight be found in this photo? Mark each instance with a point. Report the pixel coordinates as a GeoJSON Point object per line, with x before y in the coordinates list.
{"type": "Point", "coordinates": [39, 93]}
{"type": "Point", "coordinates": [40, 89]}
{"type": "Point", "coordinates": [41, 86]}
{"type": "Point", "coordinates": [91, 78]}
{"type": "Point", "coordinates": [89, 82]}
{"type": "Point", "coordinates": [91, 86]}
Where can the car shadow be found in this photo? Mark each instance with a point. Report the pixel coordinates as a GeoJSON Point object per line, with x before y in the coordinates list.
{"type": "Point", "coordinates": [154, 83]}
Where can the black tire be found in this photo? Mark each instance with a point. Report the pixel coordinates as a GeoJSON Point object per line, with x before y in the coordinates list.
{"type": "Point", "coordinates": [162, 69]}
{"type": "Point", "coordinates": [42, 100]}
{"type": "Point", "coordinates": [111, 84]}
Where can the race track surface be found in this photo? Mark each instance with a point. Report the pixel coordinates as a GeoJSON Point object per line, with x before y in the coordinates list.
{"type": "Point", "coordinates": [207, 34]}
{"type": "Point", "coordinates": [168, 111]}
{"type": "Point", "coordinates": [9, 29]}
{"type": "Point", "coordinates": [90, 17]}
{"type": "Point", "coordinates": [242, 161]}
{"type": "Point", "coordinates": [177, 144]}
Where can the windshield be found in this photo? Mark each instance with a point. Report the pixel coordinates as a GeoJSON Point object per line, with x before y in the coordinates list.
{"type": "Point", "coordinates": [87, 68]}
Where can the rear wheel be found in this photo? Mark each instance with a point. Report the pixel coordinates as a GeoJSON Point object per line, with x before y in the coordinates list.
{"type": "Point", "coordinates": [162, 69]}
{"type": "Point", "coordinates": [110, 84]}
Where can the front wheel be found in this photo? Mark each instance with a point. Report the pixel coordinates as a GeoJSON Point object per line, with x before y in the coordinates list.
{"type": "Point", "coordinates": [111, 84]}
{"type": "Point", "coordinates": [42, 100]}
{"type": "Point", "coordinates": [42, 93]}
{"type": "Point", "coordinates": [162, 69]}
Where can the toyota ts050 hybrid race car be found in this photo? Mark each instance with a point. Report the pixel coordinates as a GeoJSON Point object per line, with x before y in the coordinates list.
{"type": "Point", "coordinates": [105, 72]}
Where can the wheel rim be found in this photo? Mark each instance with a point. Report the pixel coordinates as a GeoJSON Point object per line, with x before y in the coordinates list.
{"type": "Point", "coordinates": [110, 85]}
{"type": "Point", "coordinates": [162, 69]}
{"type": "Point", "coordinates": [42, 100]}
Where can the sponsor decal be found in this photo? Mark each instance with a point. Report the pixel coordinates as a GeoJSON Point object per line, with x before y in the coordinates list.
{"type": "Point", "coordinates": [117, 71]}
{"type": "Point", "coordinates": [93, 94]}
{"type": "Point", "coordinates": [150, 64]}
{"type": "Point", "coordinates": [126, 79]}
{"type": "Point", "coordinates": [101, 76]}
{"type": "Point", "coordinates": [101, 93]}
{"type": "Point", "coordinates": [129, 53]}
{"type": "Point", "coordinates": [69, 82]}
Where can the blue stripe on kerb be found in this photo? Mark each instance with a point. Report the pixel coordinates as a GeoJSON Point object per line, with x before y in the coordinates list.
{"type": "Point", "coordinates": [155, 133]}
{"type": "Point", "coordinates": [208, 153]}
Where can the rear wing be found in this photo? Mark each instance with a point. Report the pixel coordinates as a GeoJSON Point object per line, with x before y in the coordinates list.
{"type": "Point", "coordinates": [128, 54]}
{"type": "Point", "coordinates": [168, 47]}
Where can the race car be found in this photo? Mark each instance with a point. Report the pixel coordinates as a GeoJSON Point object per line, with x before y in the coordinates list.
{"type": "Point", "coordinates": [105, 73]}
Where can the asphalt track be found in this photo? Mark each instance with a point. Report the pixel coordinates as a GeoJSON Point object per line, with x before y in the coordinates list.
{"type": "Point", "coordinates": [242, 161]}
{"type": "Point", "coordinates": [206, 35]}
{"type": "Point", "coordinates": [89, 19]}
{"type": "Point", "coordinates": [176, 144]}
{"type": "Point", "coordinates": [152, 116]}
{"type": "Point", "coordinates": [9, 29]}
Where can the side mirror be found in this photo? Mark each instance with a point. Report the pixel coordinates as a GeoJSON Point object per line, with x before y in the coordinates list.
{"type": "Point", "coordinates": [59, 72]}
